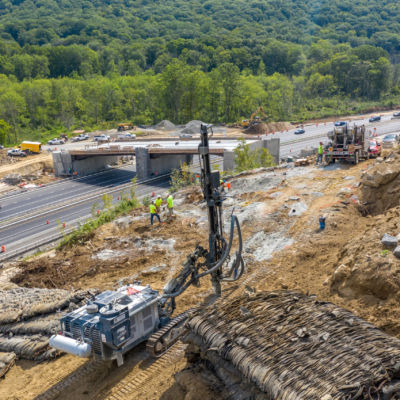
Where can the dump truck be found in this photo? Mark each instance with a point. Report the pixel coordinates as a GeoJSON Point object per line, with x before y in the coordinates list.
{"type": "Point", "coordinates": [31, 147]}
{"type": "Point", "coordinates": [125, 127]}
{"type": "Point", "coordinates": [347, 143]}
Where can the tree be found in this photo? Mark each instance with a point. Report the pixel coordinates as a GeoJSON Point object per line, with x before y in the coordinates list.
{"type": "Point", "coordinates": [4, 132]}
{"type": "Point", "coordinates": [230, 83]}
{"type": "Point", "coordinates": [247, 159]}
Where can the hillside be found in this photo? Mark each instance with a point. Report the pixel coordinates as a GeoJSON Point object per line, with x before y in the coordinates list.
{"type": "Point", "coordinates": [72, 64]}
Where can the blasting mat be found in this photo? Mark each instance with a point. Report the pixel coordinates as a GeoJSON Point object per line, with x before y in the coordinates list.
{"type": "Point", "coordinates": [29, 316]}
{"type": "Point", "coordinates": [286, 345]}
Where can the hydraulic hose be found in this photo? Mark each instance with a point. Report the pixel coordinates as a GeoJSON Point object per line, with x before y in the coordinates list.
{"type": "Point", "coordinates": [238, 262]}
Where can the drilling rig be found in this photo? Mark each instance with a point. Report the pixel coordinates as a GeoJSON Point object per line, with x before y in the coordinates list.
{"type": "Point", "coordinates": [114, 322]}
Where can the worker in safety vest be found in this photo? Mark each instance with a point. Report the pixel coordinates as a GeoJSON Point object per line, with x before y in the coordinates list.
{"type": "Point", "coordinates": [153, 213]}
{"type": "Point", "coordinates": [320, 153]}
{"type": "Point", "coordinates": [158, 203]}
{"type": "Point", "coordinates": [170, 206]}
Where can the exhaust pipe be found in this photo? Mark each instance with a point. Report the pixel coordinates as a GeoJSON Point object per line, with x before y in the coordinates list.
{"type": "Point", "coordinates": [70, 346]}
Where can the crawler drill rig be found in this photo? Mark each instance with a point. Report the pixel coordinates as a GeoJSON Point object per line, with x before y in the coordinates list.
{"type": "Point", "coordinates": [114, 322]}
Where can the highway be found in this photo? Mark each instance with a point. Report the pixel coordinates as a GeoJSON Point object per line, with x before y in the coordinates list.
{"type": "Point", "coordinates": [36, 216]}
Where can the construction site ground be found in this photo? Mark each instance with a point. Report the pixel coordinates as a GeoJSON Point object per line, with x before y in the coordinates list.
{"type": "Point", "coordinates": [279, 212]}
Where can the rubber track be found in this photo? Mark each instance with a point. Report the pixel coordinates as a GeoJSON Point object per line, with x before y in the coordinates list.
{"type": "Point", "coordinates": [72, 379]}
{"type": "Point", "coordinates": [153, 339]}
{"type": "Point", "coordinates": [128, 387]}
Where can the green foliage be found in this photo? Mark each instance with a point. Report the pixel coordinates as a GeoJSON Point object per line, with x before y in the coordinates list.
{"type": "Point", "coordinates": [107, 201]}
{"type": "Point", "coordinates": [146, 201]}
{"type": "Point", "coordinates": [85, 64]}
{"type": "Point", "coordinates": [247, 159]}
{"type": "Point", "coordinates": [181, 177]}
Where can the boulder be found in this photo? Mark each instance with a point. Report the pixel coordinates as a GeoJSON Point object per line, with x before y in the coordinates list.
{"type": "Point", "coordinates": [389, 241]}
{"type": "Point", "coordinates": [13, 179]}
{"type": "Point", "coordinates": [396, 251]}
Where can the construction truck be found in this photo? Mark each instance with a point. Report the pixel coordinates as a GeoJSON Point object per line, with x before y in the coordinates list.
{"type": "Point", "coordinates": [31, 147]}
{"type": "Point", "coordinates": [114, 322]}
{"type": "Point", "coordinates": [125, 127]}
{"type": "Point", "coordinates": [347, 143]}
{"type": "Point", "coordinates": [256, 118]}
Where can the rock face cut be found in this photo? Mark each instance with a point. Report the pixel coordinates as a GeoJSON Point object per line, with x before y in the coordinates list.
{"type": "Point", "coordinates": [380, 186]}
{"type": "Point", "coordinates": [286, 345]}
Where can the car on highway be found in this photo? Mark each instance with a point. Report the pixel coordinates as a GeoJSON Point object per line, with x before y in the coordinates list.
{"type": "Point", "coordinates": [375, 148]}
{"type": "Point", "coordinates": [390, 140]}
{"type": "Point", "coordinates": [126, 136]}
{"type": "Point", "coordinates": [55, 141]}
{"type": "Point", "coordinates": [101, 138]}
{"type": "Point", "coordinates": [340, 123]}
{"type": "Point", "coordinates": [396, 114]}
{"type": "Point", "coordinates": [16, 153]}
{"type": "Point", "coordinates": [299, 131]}
{"type": "Point", "coordinates": [185, 136]}
{"type": "Point", "coordinates": [375, 118]}
{"type": "Point", "coordinates": [80, 137]}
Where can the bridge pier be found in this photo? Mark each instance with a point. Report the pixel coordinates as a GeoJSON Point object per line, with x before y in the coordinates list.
{"type": "Point", "coordinates": [66, 164]}
{"type": "Point", "coordinates": [151, 165]}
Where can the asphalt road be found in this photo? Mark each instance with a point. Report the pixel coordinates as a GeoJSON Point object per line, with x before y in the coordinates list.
{"type": "Point", "coordinates": [24, 215]}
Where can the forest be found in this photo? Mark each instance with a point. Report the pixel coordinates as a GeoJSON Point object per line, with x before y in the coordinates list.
{"type": "Point", "coordinates": [77, 63]}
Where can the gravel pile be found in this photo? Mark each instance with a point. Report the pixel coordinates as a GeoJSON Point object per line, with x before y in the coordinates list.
{"type": "Point", "coordinates": [165, 125]}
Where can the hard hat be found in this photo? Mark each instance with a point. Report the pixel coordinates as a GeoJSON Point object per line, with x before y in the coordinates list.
{"type": "Point", "coordinates": [159, 196]}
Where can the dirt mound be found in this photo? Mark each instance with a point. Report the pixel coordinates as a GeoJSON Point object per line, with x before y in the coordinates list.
{"type": "Point", "coordinates": [192, 127]}
{"type": "Point", "coordinates": [165, 125]}
{"type": "Point", "coordinates": [380, 185]}
{"type": "Point", "coordinates": [270, 127]}
{"type": "Point", "coordinates": [114, 252]}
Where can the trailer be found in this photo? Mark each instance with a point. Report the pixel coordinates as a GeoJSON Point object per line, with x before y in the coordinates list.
{"type": "Point", "coordinates": [347, 143]}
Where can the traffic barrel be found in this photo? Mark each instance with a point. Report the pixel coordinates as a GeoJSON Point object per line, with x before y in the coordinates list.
{"type": "Point", "coordinates": [98, 212]}
{"type": "Point", "coordinates": [47, 221]}
{"type": "Point", "coordinates": [3, 249]}
{"type": "Point", "coordinates": [63, 224]}
{"type": "Point", "coordinates": [153, 194]}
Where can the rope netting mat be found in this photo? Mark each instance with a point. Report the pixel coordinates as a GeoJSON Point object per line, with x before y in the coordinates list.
{"type": "Point", "coordinates": [291, 346]}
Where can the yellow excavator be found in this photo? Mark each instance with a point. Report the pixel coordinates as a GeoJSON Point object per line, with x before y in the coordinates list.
{"type": "Point", "coordinates": [256, 118]}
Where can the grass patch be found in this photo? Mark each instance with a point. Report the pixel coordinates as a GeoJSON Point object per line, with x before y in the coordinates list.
{"type": "Point", "coordinates": [86, 230]}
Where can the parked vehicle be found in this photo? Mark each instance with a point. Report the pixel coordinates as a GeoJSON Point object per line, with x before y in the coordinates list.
{"type": "Point", "coordinates": [31, 147]}
{"type": "Point", "coordinates": [55, 141]}
{"type": "Point", "coordinates": [299, 131]}
{"type": "Point", "coordinates": [1, 147]}
{"type": "Point", "coordinates": [390, 140]}
{"type": "Point", "coordinates": [101, 138]}
{"type": "Point", "coordinates": [80, 137]}
{"type": "Point", "coordinates": [16, 153]}
{"type": "Point", "coordinates": [185, 136]}
{"type": "Point", "coordinates": [340, 123]}
{"type": "Point", "coordinates": [375, 118]}
{"type": "Point", "coordinates": [126, 136]}
{"type": "Point", "coordinates": [348, 143]}
{"type": "Point", "coordinates": [396, 114]}
{"type": "Point", "coordinates": [375, 148]}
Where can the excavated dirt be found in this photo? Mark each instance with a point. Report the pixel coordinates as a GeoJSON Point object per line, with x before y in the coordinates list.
{"type": "Point", "coordinates": [279, 210]}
